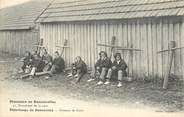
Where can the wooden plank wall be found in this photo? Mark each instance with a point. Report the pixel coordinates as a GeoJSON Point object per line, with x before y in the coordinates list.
{"type": "Point", "coordinates": [17, 42]}
{"type": "Point", "coordinates": [149, 36]}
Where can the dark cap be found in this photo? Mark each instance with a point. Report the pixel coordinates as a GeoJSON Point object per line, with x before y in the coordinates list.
{"type": "Point", "coordinates": [103, 52]}
{"type": "Point", "coordinates": [57, 52]}
{"type": "Point", "coordinates": [117, 54]}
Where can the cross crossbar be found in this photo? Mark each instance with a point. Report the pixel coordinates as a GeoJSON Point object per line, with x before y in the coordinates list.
{"type": "Point", "coordinates": [119, 47]}
{"type": "Point", "coordinates": [133, 49]}
{"type": "Point", "coordinates": [62, 46]}
{"type": "Point", "coordinates": [39, 46]}
{"type": "Point", "coordinates": [171, 49]}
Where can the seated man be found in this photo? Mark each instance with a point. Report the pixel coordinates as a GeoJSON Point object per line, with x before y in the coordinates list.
{"type": "Point", "coordinates": [101, 67]}
{"type": "Point", "coordinates": [118, 67]}
{"type": "Point", "coordinates": [58, 64]}
{"type": "Point", "coordinates": [37, 65]}
{"type": "Point", "coordinates": [27, 62]}
{"type": "Point", "coordinates": [79, 68]}
{"type": "Point", "coordinates": [47, 61]}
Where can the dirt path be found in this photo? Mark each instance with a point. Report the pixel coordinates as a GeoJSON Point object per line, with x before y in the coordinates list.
{"type": "Point", "coordinates": [68, 96]}
{"type": "Point", "coordinates": [17, 90]}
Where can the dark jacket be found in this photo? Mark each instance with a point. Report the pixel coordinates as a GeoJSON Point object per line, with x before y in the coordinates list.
{"type": "Point", "coordinates": [80, 65]}
{"type": "Point", "coordinates": [103, 63]}
{"type": "Point", "coordinates": [121, 66]}
{"type": "Point", "coordinates": [28, 60]}
{"type": "Point", "coordinates": [38, 63]}
{"type": "Point", "coordinates": [59, 63]}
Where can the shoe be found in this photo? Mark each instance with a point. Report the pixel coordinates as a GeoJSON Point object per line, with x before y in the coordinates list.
{"type": "Point", "coordinates": [76, 76]}
{"type": "Point", "coordinates": [70, 75]}
{"type": "Point", "coordinates": [107, 82]}
{"type": "Point", "coordinates": [119, 85]}
{"type": "Point", "coordinates": [100, 83]}
{"type": "Point", "coordinates": [47, 77]}
{"type": "Point", "coordinates": [91, 79]}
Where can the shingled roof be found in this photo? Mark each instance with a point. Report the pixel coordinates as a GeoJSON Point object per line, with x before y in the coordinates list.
{"type": "Point", "coordinates": [21, 16]}
{"type": "Point", "coordinates": [82, 10]}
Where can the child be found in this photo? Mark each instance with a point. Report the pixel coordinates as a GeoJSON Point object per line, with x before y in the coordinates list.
{"type": "Point", "coordinates": [47, 60]}
{"type": "Point", "coordinates": [58, 64]}
{"type": "Point", "coordinates": [79, 68]}
{"type": "Point", "coordinates": [119, 67]}
{"type": "Point", "coordinates": [101, 67]}
{"type": "Point", "coordinates": [27, 62]}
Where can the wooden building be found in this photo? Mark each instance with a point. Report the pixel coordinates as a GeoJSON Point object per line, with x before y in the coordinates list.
{"type": "Point", "coordinates": [18, 30]}
{"type": "Point", "coordinates": [148, 25]}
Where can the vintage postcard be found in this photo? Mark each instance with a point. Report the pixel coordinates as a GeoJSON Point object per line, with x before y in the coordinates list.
{"type": "Point", "coordinates": [92, 58]}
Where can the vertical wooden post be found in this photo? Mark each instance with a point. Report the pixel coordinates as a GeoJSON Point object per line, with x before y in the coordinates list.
{"type": "Point", "coordinates": [112, 48]}
{"type": "Point", "coordinates": [40, 44]}
{"type": "Point", "coordinates": [130, 60]}
{"type": "Point", "coordinates": [65, 44]}
{"type": "Point", "coordinates": [169, 64]}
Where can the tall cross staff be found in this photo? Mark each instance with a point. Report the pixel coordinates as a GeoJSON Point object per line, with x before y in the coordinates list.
{"type": "Point", "coordinates": [62, 48]}
{"type": "Point", "coordinates": [112, 46]}
{"type": "Point", "coordinates": [171, 50]}
{"type": "Point", "coordinates": [130, 50]}
{"type": "Point", "coordinates": [39, 46]}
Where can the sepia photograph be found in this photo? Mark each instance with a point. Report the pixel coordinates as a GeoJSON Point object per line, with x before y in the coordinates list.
{"type": "Point", "coordinates": [91, 58]}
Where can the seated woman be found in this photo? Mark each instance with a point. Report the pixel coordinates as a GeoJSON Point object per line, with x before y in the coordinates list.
{"type": "Point", "coordinates": [101, 68]}
{"type": "Point", "coordinates": [58, 64]}
{"type": "Point", "coordinates": [47, 60]}
{"type": "Point", "coordinates": [79, 68]}
{"type": "Point", "coordinates": [118, 67]}
{"type": "Point", "coordinates": [27, 62]}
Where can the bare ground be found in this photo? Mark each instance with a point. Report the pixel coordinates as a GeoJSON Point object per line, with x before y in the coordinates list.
{"type": "Point", "coordinates": [136, 94]}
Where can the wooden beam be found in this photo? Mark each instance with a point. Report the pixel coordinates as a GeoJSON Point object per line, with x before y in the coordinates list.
{"type": "Point", "coordinates": [39, 46]}
{"type": "Point", "coordinates": [62, 46]}
{"type": "Point", "coordinates": [112, 46]}
{"type": "Point", "coordinates": [175, 48]}
{"type": "Point", "coordinates": [119, 47]}
{"type": "Point", "coordinates": [133, 49]}
{"type": "Point", "coordinates": [113, 41]}
{"type": "Point", "coordinates": [36, 74]}
{"type": "Point", "coordinates": [7, 61]}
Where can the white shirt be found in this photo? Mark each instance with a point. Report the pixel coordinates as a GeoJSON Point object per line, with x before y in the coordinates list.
{"type": "Point", "coordinates": [118, 61]}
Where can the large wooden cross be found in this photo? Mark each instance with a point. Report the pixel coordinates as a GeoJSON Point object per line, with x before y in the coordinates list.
{"type": "Point", "coordinates": [39, 46]}
{"type": "Point", "coordinates": [63, 47]}
{"type": "Point", "coordinates": [171, 50]}
{"type": "Point", "coordinates": [113, 46]}
{"type": "Point", "coordinates": [130, 50]}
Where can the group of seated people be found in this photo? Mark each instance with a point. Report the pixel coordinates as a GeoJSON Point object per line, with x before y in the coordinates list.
{"type": "Point", "coordinates": [104, 68]}
{"type": "Point", "coordinates": [35, 62]}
